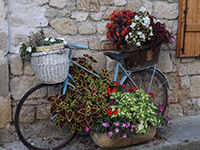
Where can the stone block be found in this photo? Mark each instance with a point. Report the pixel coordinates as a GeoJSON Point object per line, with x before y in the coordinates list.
{"type": "Point", "coordinates": [185, 82]}
{"type": "Point", "coordinates": [182, 70]}
{"type": "Point", "coordinates": [4, 78]}
{"type": "Point", "coordinates": [58, 3]}
{"type": "Point", "coordinates": [195, 86]}
{"type": "Point", "coordinates": [2, 9]}
{"type": "Point", "coordinates": [86, 29]}
{"type": "Point", "coordinates": [193, 68]}
{"type": "Point", "coordinates": [5, 111]}
{"type": "Point", "coordinates": [8, 136]}
{"type": "Point", "coordinates": [119, 2]}
{"type": "Point", "coordinates": [94, 43]}
{"type": "Point", "coordinates": [133, 5]}
{"type": "Point", "coordinates": [110, 11]}
{"type": "Point", "coordinates": [105, 2]}
{"type": "Point", "coordinates": [79, 16]}
{"type": "Point", "coordinates": [165, 63]}
{"type": "Point", "coordinates": [3, 42]}
{"type": "Point", "coordinates": [64, 26]}
{"type": "Point", "coordinates": [16, 65]}
{"type": "Point", "coordinates": [88, 5]}
{"type": "Point", "coordinates": [20, 85]}
{"type": "Point", "coordinates": [165, 10]}
{"type": "Point", "coordinates": [175, 110]}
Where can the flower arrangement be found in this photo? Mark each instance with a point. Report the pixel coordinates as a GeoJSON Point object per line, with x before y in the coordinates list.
{"type": "Point", "coordinates": [129, 111]}
{"type": "Point", "coordinates": [38, 41]}
{"type": "Point", "coordinates": [130, 29]}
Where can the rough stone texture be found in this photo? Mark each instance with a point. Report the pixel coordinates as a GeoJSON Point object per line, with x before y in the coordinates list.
{"type": "Point", "coordinates": [58, 3]}
{"type": "Point", "coordinates": [64, 26]}
{"type": "Point", "coordinates": [193, 68]}
{"type": "Point", "coordinates": [16, 65]}
{"type": "Point", "coordinates": [94, 43]}
{"type": "Point", "coordinates": [133, 5]}
{"type": "Point", "coordinates": [23, 83]}
{"type": "Point", "coordinates": [8, 136]}
{"type": "Point", "coordinates": [96, 16]}
{"type": "Point", "coordinates": [105, 2]}
{"type": "Point", "coordinates": [3, 42]}
{"type": "Point", "coordinates": [5, 111]}
{"type": "Point", "coordinates": [50, 12]}
{"type": "Point", "coordinates": [185, 82]}
{"type": "Point", "coordinates": [41, 2]}
{"type": "Point", "coordinates": [182, 70]}
{"type": "Point", "coordinates": [4, 79]}
{"type": "Point", "coordinates": [175, 110]}
{"type": "Point", "coordinates": [195, 86]}
{"type": "Point", "coordinates": [119, 2]}
{"type": "Point", "coordinates": [2, 9]}
{"type": "Point", "coordinates": [28, 68]}
{"type": "Point", "coordinates": [101, 28]}
{"type": "Point", "coordinates": [165, 10]}
{"type": "Point", "coordinates": [88, 5]}
{"type": "Point", "coordinates": [165, 62]}
{"type": "Point", "coordinates": [79, 16]}
{"type": "Point", "coordinates": [86, 29]}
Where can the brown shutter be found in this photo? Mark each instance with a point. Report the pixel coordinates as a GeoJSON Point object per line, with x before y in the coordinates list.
{"type": "Point", "coordinates": [188, 42]}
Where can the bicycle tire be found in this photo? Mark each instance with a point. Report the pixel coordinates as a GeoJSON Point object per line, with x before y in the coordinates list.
{"type": "Point", "coordinates": [158, 88]}
{"type": "Point", "coordinates": [33, 124]}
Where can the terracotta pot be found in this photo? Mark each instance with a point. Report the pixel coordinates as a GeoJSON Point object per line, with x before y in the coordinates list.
{"type": "Point", "coordinates": [102, 140]}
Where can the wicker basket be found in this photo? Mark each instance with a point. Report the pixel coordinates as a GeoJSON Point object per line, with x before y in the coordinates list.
{"type": "Point", "coordinates": [50, 66]}
{"type": "Point", "coordinates": [139, 58]}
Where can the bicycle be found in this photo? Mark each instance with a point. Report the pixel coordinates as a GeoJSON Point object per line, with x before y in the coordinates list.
{"type": "Point", "coordinates": [36, 128]}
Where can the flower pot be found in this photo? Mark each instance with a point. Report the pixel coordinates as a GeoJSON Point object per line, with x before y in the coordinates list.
{"type": "Point", "coordinates": [102, 139]}
{"type": "Point", "coordinates": [140, 57]}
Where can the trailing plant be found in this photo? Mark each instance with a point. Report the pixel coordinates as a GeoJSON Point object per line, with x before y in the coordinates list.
{"type": "Point", "coordinates": [80, 105]}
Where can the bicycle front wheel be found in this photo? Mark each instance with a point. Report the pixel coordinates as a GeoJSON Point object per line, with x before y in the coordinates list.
{"type": "Point", "coordinates": [158, 87]}
{"type": "Point", "coordinates": [33, 121]}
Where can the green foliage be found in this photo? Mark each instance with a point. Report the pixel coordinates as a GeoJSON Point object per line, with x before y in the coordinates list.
{"type": "Point", "coordinates": [34, 40]}
{"type": "Point", "coordinates": [87, 101]}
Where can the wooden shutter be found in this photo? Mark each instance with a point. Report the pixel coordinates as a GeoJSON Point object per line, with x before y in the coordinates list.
{"type": "Point", "coordinates": [188, 42]}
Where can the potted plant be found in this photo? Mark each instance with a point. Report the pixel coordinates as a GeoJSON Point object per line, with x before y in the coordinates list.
{"type": "Point", "coordinates": [132, 117]}
{"type": "Point", "coordinates": [138, 35]}
{"type": "Point", "coordinates": [38, 42]}
{"type": "Point", "coordinates": [49, 59]}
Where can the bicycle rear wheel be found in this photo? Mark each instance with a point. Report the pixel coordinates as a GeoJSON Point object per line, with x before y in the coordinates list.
{"type": "Point", "coordinates": [158, 87]}
{"type": "Point", "coordinates": [33, 121]}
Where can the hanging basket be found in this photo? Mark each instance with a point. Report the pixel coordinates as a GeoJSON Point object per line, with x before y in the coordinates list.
{"type": "Point", "coordinates": [50, 66]}
{"type": "Point", "coordinates": [140, 57]}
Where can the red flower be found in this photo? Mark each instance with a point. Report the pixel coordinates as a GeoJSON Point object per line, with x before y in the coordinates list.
{"type": "Point", "coordinates": [123, 85]}
{"type": "Point", "coordinates": [116, 83]}
{"type": "Point", "coordinates": [115, 112]}
{"type": "Point", "coordinates": [132, 89]}
{"type": "Point", "coordinates": [114, 90]}
{"type": "Point", "coordinates": [121, 46]}
{"type": "Point", "coordinates": [109, 112]}
{"type": "Point", "coordinates": [108, 90]}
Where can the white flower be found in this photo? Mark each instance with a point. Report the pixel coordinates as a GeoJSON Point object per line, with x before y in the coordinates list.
{"type": "Point", "coordinates": [61, 39]}
{"type": "Point", "coordinates": [151, 33]}
{"type": "Point", "coordinates": [52, 40]}
{"type": "Point", "coordinates": [142, 36]}
{"type": "Point", "coordinates": [126, 37]}
{"type": "Point", "coordinates": [146, 20]}
{"type": "Point", "coordinates": [137, 17]}
{"type": "Point", "coordinates": [133, 25]}
{"type": "Point", "coordinates": [29, 49]}
{"type": "Point", "coordinates": [138, 44]}
{"type": "Point", "coordinates": [142, 9]}
{"type": "Point", "coordinates": [65, 42]}
{"type": "Point", "coordinates": [140, 127]}
{"type": "Point", "coordinates": [46, 39]}
{"type": "Point", "coordinates": [139, 33]}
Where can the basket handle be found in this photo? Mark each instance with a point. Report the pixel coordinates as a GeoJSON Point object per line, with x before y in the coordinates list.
{"type": "Point", "coordinates": [76, 45]}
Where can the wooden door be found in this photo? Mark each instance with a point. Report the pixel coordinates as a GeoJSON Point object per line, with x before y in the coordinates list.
{"type": "Point", "coordinates": [188, 43]}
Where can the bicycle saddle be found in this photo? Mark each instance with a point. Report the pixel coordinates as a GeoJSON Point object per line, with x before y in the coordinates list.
{"type": "Point", "coordinates": [115, 56]}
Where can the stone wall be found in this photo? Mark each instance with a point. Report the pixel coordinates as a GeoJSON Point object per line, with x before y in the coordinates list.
{"type": "Point", "coordinates": [84, 22]}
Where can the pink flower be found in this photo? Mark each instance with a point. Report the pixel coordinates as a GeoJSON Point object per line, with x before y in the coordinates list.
{"type": "Point", "coordinates": [124, 125]}
{"type": "Point", "coordinates": [124, 136]}
{"type": "Point", "coordinates": [161, 108]}
{"type": "Point", "coordinates": [87, 128]}
{"type": "Point", "coordinates": [117, 124]}
{"type": "Point", "coordinates": [132, 129]}
{"type": "Point", "coordinates": [169, 119]}
{"type": "Point", "coordinates": [152, 95]}
{"type": "Point", "coordinates": [105, 124]}
{"type": "Point", "coordinates": [117, 130]}
{"type": "Point", "coordinates": [128, 124]}
{"type": "Point", "coordinates": [110, 133]}
{"type": "Point", "coordinates": [146, 90]}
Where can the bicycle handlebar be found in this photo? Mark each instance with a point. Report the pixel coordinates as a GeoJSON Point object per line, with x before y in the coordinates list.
{"type": "Point", "coordinates": [76, 45]}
